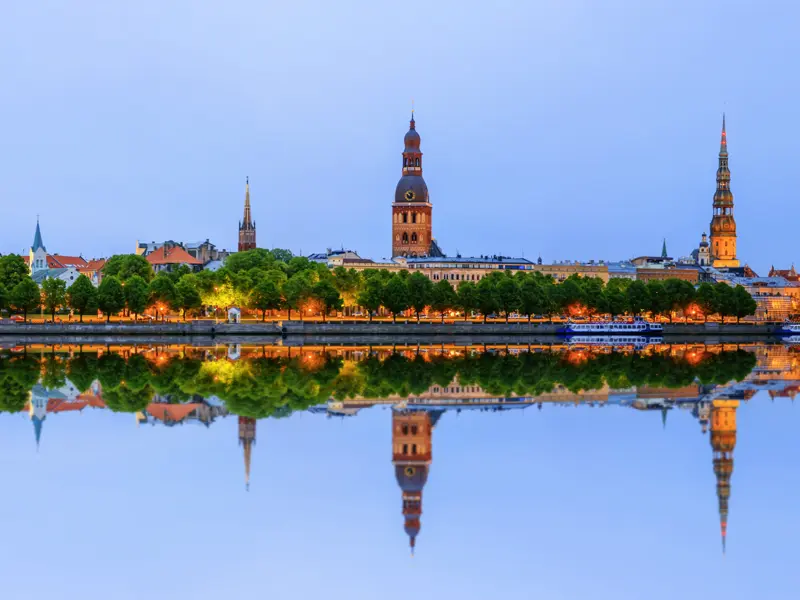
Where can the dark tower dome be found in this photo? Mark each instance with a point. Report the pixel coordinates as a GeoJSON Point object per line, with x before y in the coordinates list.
{"type": "Point", "coordinates": [411, 188]}
{"type": "Point", "coordinates": [412, 139]}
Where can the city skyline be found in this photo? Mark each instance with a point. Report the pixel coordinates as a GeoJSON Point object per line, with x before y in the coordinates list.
{"type": "Point", "coordinates": [609, 141]}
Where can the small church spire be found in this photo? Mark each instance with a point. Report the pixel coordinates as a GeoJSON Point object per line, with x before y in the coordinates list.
{"type": "Point", "coordinates": [247, 228]}
{"type": "Point", "coordinates": [664, 249]}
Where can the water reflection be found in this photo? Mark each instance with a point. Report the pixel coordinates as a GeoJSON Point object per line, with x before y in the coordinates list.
{"type": "Point", "coordinates": [181, 385]}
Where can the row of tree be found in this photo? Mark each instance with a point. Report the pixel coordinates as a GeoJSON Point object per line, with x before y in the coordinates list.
{"type": "Point", "coordinates": [261, 387]}
{"type": "Point", "coordinates": [266, 281]}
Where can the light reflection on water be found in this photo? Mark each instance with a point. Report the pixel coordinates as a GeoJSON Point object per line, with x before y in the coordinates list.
{"type": "Point", "coordinates": [387, 406]}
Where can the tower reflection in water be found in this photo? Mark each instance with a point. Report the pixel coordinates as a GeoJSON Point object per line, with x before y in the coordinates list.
{"type": "Point", "coordinates": [171, 386]}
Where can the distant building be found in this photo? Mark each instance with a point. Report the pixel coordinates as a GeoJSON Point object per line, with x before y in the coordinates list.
{"type": "Point", "coordinates": [247, 227]}
{"type": "Point", "coordinates": [787, 274]}
{"type": "Point", "coordinates": [412, 212]}
{"type": "Point", "coordinates": [94, 270]}
{"type": "Point", "coordinates": [204, 251]}
{"type": "Point", "coordinates": [621, 270]}
{"type": "Point", "coordinates": [68, 275]}
{"type": "Point", "coordinates": [37, 257]}
{"type": "Point", "coordinates": [170, 258]}
{"type": "Point", "coordinates": [723, 224]}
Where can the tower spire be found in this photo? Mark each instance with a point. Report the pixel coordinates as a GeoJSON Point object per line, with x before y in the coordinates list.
{"type": "Point", "coordinates": [664, 248]}
{"type": "Point", "coordinates": [723, 143]}
{"type": "Point", "coordinates": [247, 228]}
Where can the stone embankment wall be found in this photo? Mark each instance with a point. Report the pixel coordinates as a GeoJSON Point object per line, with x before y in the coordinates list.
{"type": "Point", "coordinates": [376, 330]}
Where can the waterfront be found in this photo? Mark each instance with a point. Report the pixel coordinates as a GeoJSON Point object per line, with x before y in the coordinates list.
{"type": "Point", "coordinates": [283, 469]}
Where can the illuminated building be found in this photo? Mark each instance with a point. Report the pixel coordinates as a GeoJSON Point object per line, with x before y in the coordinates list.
{"type": "Point", "coordinates": [412, 210]}
{"type": "Point", "coordinates": [723, 225]}
{"type": "Point", "coordinates": [723, 441]}
{"type": "Point", "coordinates": [247, 227]}
{"type": "Point", "coordinates": [411, 457]}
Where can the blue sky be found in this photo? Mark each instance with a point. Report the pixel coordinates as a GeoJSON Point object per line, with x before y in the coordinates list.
{"type": "Point", "coordinates": [560, 503]}
{"type": "Point", "coordinates": [571, 128]}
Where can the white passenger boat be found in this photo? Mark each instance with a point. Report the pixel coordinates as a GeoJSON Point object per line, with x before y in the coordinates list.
{"type": "Point", "coordinates": [638, 326]}
{"type": "Point", "coordinates": [637, 341]}
{"type": "Point", "coordinates": [789, 328]}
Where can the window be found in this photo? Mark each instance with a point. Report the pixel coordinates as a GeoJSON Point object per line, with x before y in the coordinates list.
{"type": "Point", "coordinates": [413, 430]}
{"type": "Point", "coordinates": [413, 448]}
{"type": "Point", "coordinates": [416, 162]}
{"type": "Point", "coordinates": [405, 162]}
{"type": "Point", "coordinates": [405, 448]}
{"type": "Point", "coordinates": [413, 217]}
{"type": "Point", "coordinates": [405, 429]}
{"type": "Point", "coordinates": [405, 238]}
{"type": "Point", "coordinates": [414, 238]}
{"type": "Point", "coordinates": [405, 217]}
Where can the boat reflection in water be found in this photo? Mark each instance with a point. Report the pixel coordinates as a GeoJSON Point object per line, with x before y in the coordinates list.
{"type": "Point", "coordinates": [175, 385]}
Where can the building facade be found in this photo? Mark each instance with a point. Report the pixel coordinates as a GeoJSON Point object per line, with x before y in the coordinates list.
{"type": "Point", "coordinates": [412, 212]}
{"type": "Point", "coordinates": [247, 227]}
{"type": "Point", "coordinates": [723, 224]}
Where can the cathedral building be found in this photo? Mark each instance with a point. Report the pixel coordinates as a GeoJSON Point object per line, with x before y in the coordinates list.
{"type": "Point", "coordinates": [411, 456]}
{"type": "Point", "coordinates": [411, 209]}
{"type": "Point", "coordinates": [247, 227]}
{"type": "Point", "coordinates": [723, 441]}
{"type": "Point", "coordinates": [723, 225]}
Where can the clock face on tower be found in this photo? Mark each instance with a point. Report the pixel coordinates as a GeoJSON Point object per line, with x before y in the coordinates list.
{"type": "Point", "coordinates": [409, 195]}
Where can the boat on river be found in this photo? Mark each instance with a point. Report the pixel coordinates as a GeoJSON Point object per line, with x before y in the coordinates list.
{"type": "Point", "coordinates": [638, 326]}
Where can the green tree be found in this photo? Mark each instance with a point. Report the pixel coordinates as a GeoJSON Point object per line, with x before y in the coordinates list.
{"type": "Point", "coordinates": [467, 298]}
{"type": "Point", "coordinates": [161, 293]}
{"type": "Point", "coordinates": [569, 293]}
{"type": "Point", "coordinates": [706, 299]}
{"type": "Point", "coordinates": [110, 296]}
{"type": "Point", "coordinates": [680, 294]}
{"type": "Point", "coordinates": [371, 296]}
{"type": "Point", "coordinates": [124, 266]}
{"type": "Point", "coordinates": [420, 292]}
{"type": "Point", "coordinates": [659, 300]}
{"type": "Point", "coordinates": [487, 297]}
{"type": "Point", "coordinates": [82, 296]}
{"type": "Point", "coordinates": [257, 258]}
{"type": "Point", "coordinates": [637, 298]}
{"type": "Point", "coordinates": [54, 295]}
{"type": "Point", "coordinates": [395, 296]}
{"type": "Point", "coordinates": [25, 296]}
{"type": "Point", "coordinates": [136, 295]}
{"type": "Point", "coordinates": [12, 270]}
{"type": "Point", "coordinates": [508, 296]}
{"type": "Point", "coordinates": [296, 291]}
{"type": "Point", "coordinates": [533, 296]}
{"type": "Point", "coordinates": [443, 297]}
{"type": "Point", "coordinates": [724, 301]}
{"type": "Point", "coordinates": [328, 296]}
{"type": "Point", "coordinates": [3, 297]}
{"type": "Point", "coordinates": [186, 295]}
{"type": "Point", "coordinates": [348, 282]}
{"type": "Point", "coordinates": [266, 296]}
{"type": "Point", "coordinates": [744, 304]}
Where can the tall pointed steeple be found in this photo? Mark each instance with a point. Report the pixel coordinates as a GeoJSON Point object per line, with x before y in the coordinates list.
{"type": "Point", "coordinates": [723, 224]}
{"type": "Point", "coordinates": [664, 249]}
{"type": "Point", "coordinates": [247, 439]}
{"type": "Point", "coordinates": [37, 238]}
{"type": "Point", "coordinates": [247, 227]}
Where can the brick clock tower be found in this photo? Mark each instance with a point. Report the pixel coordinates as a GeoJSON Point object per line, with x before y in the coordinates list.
{"type": "Point", "coordinates": [247, 227]}
{"type": "Point", "coordinates": [411, 209]}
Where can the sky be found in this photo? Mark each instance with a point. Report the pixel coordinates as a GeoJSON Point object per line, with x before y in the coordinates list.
{"type": "Point", "coordinates": [560, 503]}
{"type": "Point", "coordinates": [570, 129]}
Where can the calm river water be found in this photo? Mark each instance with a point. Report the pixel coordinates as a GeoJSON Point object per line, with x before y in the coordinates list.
{"type": "Point", "coordinates": [560, 471]}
